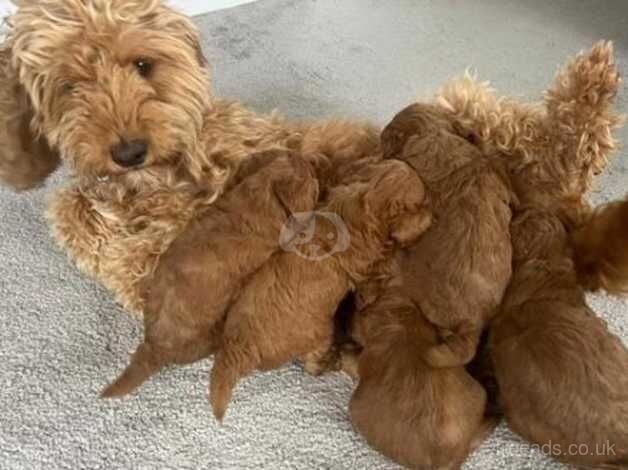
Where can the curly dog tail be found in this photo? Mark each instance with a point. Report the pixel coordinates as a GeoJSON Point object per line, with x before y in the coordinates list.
{"type": "Point", "coordinates": [143, 365]}
{"type": "Point", "coordinates": [601, 249]}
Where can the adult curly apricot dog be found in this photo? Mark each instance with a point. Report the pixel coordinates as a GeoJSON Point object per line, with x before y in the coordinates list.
{"type": "Point", "coordinates": [121, 90]}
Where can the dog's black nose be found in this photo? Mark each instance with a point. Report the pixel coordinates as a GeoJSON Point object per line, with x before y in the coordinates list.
{"type": "Point", "coordinates": [128, 154]}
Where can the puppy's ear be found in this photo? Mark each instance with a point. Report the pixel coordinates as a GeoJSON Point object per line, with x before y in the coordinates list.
{"type": "Point", "coordinates": [299, 190]}
{"type": "Point", "coordinates": [399, 196]}
{"type": "Point", "coordinates": [409, 227]}
{"type": "Point", "coordinates": [26, 159]}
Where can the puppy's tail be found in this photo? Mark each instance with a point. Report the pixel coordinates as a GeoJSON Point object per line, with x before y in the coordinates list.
{"type": "Point", "coordinates": [143, 365]}
{"type": "Point", "coordinates": [456, 349]}
{"type": "Point", "coordinates": [224, 378]}
{"type": "Point", "coordinates": [601, 249]}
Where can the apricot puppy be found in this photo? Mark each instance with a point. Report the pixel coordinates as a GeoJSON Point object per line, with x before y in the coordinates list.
{"type": "Point", "coordinates": [601, 246]}
{"type": "Point", "coordinates": [420, 416]}
{"type": "Point", "coordinates": [286, 311]}
{"type": "Point", "coordinates": [457, 273]}
{"type": "Point", "coordinates": [562, 376]}
{"type": "Point", "coordinates": [202, 270]}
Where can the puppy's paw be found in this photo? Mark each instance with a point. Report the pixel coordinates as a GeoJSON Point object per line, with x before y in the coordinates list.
{"type": "Point", "coordinates": [349, 361]}
{"type": "Point", "coordinates": [318, 363]}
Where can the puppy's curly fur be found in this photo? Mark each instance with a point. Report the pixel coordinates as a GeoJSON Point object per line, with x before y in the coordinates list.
{"type": "Point", "coordinates": [286, 310]}
{"type": "Point", "coordinates": [561, 373]}
{"type": "Point", "coordinates": [420, 416]}
{"type": "Point", "coordinates": [547, 168]}
{"type": "Point", "coordinates": [204, 268]}
{"type": "Point", "coordinates": [601, 245]}
{"type": "Point", "coordinates": [457, 273]}
{"type": "Point", "coordinates": [89, 75]}
{"type": "Point", "coordinates": [553, 150]}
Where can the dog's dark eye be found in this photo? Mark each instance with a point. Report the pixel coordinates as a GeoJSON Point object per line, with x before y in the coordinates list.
{"type": "Point", "coordinates": [67, 88]}
{"type": "Point", "coordinates": [144, 67]}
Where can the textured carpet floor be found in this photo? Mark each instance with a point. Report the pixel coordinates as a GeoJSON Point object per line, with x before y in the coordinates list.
{"type": "Point", "coordinates": [62, 337]}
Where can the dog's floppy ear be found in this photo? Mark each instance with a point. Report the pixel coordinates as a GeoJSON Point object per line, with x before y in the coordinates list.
{"type": "Point", "coordinates": [298, 191]}
{"type": "Point", "coordinates": [26, 159]}
{"type": "Point", "coordinates": [409, 227]}
{"type": "Point", "coordinates": [399, 195]}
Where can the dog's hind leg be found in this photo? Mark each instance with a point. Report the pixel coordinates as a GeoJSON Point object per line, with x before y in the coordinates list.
{"type": "Point", "coordinates": [145, 362]}
{"type": "Point", "coordinates": [228, 368]}
{"type": "Point", "coordinates": [580, 112]}
{"type": "Point", "coordinates": [491, 122]}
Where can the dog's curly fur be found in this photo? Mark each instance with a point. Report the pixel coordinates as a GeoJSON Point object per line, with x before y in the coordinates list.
{"type": "Point", "coordinates": [561, 373]}
{"type": "Point", "coordinates": [555, 148]}
{"type": "Point", "coordinates": [463, 264]}
{"type": "Point", "coordinates": [65, 98]}
{"type": "Point", "coordinates": [204, 268]}
{"type": "Point", "coordinates": [287, 308]}
{"type": "Point", "coordinates": [89, 74]}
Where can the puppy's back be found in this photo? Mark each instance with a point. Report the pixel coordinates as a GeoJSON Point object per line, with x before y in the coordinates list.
{"type": "Point", "coordinates": [419, 416]}
{"type": "Point", "coordinates": [561, 373]}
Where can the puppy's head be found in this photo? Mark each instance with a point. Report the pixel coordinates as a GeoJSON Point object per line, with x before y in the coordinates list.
{"type": "Point", "coordinates": [397, 200]}
{"type": "Point", "coordinates": [416, 121]}
{"type": "Point", "coordinates": [115, 85]}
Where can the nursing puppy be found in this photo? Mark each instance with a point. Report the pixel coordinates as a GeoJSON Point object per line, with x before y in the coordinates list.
{"type": "Point", "coordinates": [457, 273]}
{"type": "Point", "coordinates": [420, 416]}
{"type": "Point", "coordinates": [286, 311]}
{"type": "Point", "coordinates": [205, 267]}
{"type": "Point", "coordinates": [601, 249]}
{"type": "Point", "coordinates": [562, 376]}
